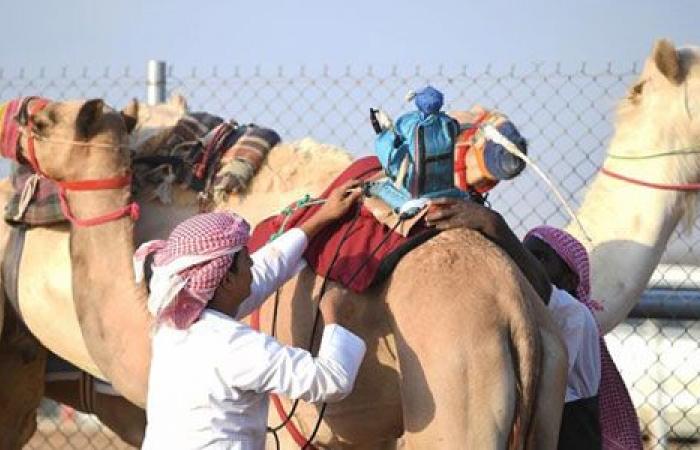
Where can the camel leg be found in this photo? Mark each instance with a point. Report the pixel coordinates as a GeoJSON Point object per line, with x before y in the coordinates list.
{"type": "Point", "coordinates": [552, 382]}
{"type": "Point", "coordinates": [125, 419]}
{"type": "Point", "coordinates": [444, 407]}
{"type": "Point", "coordinates": [458, 382]}
{"type": "Point", "coordinates": [22, 365]}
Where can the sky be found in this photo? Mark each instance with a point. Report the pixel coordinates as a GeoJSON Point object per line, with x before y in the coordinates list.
{"type": "Point", "coordinates": [118, 33]}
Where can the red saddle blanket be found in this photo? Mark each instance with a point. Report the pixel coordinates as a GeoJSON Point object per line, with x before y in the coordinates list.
{"type": "Point", "coordinates": [370, 250]}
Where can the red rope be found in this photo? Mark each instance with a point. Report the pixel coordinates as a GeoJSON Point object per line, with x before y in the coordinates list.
{"type": "Point", "coordinates": [291, 428]}
{"type": "Point", "coordinates": [132, 209]}
{"type": "Point", "coordinates": [96, 185]}
{"type": "Point", "coordinates": [661, 186]}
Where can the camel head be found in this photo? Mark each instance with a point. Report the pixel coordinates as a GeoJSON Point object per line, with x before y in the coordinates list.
{"type": "Point", "coordinates": [74, 140]}
{"type": "Point", "coordinates": [662, 109]}
{"type": "Point", "coordinates": [150, 124]}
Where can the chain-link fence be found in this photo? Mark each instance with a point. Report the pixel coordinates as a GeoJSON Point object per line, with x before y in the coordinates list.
{"type": "Point", "coordinates": [567, 116]}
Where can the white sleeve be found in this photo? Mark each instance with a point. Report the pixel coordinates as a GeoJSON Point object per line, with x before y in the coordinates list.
{"type": "Point", "coordinates": [257, 362]}
{"type": "Point", "coordinates": [273, 265]}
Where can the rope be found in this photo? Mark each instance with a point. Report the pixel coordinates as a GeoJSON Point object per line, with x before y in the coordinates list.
{"type": "Point", "coordinates": [306, 201]}
{"type": "Point", "coordinates": [492, 133]}
{"type": "Point", "coordinates": [317, 316]}
{"type": "Point", "coordinates": [69, 142]}
{"type": "Point", "coordinates": [689, 187]}
{"type": "Point", "coordinates": [679, 152]}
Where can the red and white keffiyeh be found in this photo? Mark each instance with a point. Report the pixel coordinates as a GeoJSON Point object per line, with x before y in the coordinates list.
{"type": "Point", "coordinates": [619, 425]}
{"type": "Point", "coordinates": [574, 255]}
{"type": "Point", "coordinates": [190, 265]}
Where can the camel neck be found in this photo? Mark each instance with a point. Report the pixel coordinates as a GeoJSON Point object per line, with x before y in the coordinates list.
{"type": "Point", "coordinates": [110, 306]}
{"type": "Point", "coordinates": [630, 226]}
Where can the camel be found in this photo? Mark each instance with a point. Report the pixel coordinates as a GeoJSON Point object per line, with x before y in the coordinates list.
{"type": "Point", "coordinates": [408, 383]}
{"type": "Point", "coordinates": [656, 140]}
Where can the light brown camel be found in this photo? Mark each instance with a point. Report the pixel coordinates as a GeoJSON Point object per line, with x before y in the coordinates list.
{"type": "Point", "coordinates": [450, 365]}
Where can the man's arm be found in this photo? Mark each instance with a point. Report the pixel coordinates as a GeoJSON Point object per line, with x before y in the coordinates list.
{"type": "Point", "coordinates": [259, 363]}
{"type": "Point", "coordinates": [278, 261]}
{"type": "Point", "coordinates": [454, 213]}
{"type": "Point", "coordinates": [273, 265]}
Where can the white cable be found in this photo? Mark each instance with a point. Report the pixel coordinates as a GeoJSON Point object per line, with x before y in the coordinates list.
{"type": "Point", "coordinates": [493, 134]}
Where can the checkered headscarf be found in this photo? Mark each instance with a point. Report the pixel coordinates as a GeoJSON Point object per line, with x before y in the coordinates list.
{"type": "Point", "coordinates": [574, 255]}
{"type": "Point", "coordinates": [190, 265]}
{"type": "Point", "coordinates": [619, 425]}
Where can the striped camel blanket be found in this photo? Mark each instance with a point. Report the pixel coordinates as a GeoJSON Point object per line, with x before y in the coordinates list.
{"type": "Point", "coordinates": [206, 154]}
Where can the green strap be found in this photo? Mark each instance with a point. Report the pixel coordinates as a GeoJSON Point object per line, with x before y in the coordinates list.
{"type": "Point", "coordinates": [304, 202]}
{"type": "Point", "coordinates": [682, 151]}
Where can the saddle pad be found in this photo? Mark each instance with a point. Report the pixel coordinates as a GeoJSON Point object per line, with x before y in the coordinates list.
{"type": "Point", "coordinates": [363, 259]}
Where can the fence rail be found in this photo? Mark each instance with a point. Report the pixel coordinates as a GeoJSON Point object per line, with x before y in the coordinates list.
{"type": "Point", "coordinates": [566, 114]}
{"type": "Point", "coordinates": [668, 304]}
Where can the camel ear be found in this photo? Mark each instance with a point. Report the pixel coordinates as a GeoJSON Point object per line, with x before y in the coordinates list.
{"type": "Point", "coordinates": [179, 101]}
{"type": "Point", "coordinates": [88, 117]}
{"type": "Point", "coordinates": [130, 115]}
{"type": "Point", "coordinates": [666, 60]}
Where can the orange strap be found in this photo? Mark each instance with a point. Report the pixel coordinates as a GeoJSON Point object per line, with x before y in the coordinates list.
{"type": "Point", "coordinates": [463, 146]}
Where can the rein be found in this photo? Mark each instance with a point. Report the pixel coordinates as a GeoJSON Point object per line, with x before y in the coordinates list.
{"type": "Point", "coordinates": [305, 443]}
{"type": "Point", "coordinates": [118, 182]}
{"type": "Point", "coordinates": [686, 187]}
{"type": "Point", "coordinates": [689, 187]}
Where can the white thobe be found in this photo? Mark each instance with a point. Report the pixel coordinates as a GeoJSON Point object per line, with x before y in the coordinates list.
{"type": "Point", "coordinates": [581, 336]}
{"type": "Point", "coordinates": [208, 384]}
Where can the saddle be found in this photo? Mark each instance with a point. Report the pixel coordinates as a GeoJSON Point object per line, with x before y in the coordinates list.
{"type": "Point", "coordinates": [204, 154]}
{"type": "Point", "coordinates": [367, 249]}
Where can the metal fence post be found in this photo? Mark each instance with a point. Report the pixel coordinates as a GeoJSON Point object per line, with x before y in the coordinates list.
{"type": "Point", "coordinates": [155, 82]}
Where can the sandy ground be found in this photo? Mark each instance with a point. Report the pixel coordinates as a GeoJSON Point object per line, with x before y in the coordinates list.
{"type": "Point", "coordinates": [80, 433]}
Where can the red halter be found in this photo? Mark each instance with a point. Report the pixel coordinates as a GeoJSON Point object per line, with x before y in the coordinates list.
{"type": "Point", "coordinates": [132, 209]}
{"type": "Point", "coordinates": [661, 186]}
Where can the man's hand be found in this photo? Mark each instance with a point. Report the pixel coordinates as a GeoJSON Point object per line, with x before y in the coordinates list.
{"type": "Point", "coordinates": [446, 213]}
{"type": "Point", "coordinates": [339, 201]}
{"type": "Point", "coordinates": [337, 204]}
{"type": "Point", "coordinates": [337, 307]}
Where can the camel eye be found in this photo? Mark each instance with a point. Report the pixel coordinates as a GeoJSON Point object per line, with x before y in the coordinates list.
{"type": "Point", "coordinates": [636, 90]}
{"type": "Point", "coordinates": [41, 122]}
{"type": "Point", "coordinates": [39, 127]}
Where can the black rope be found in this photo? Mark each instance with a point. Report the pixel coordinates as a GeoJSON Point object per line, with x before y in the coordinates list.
{"type": "Point", "coordinates": [317, 316]}
{"type": "Point", "coordinates": [352, 278]}
{"type": "Point", "coordinates": [291, 412]}
{"type": "Point", "coordinates": [373, 252]}
{"type": "Point", "coordinates": [316, 427]}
